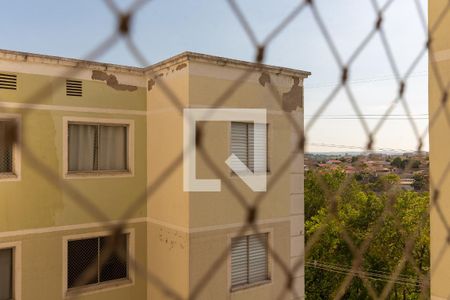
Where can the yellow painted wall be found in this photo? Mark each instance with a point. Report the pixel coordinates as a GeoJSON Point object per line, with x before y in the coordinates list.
{"type": "Point", "coordinates": [439, 152]}
{"type": "Point", "coordinates": [37, 202]}
{"type": "Point", "coordinates": [42, 266]}
{"type": "Point", "coordinates": [208, 209]}
{"type": "Point", "coordinates": [186, 232]}
{"type": "Point", "coordinates": [167, 202]}
{"type": "Point", "coordinates": [209, 252]}
{"type": "Point", "coordinates": [168, 260]}
{"type": "Point", "coordinates": [207, 84]}
{"type": "Point", "coordinates": [203, 221]}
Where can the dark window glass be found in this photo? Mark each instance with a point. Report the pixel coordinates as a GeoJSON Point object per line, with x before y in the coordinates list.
{"type": "Point", "coordinates": [6, 274]}
{"type": "Point", "coordinates": [81, 255]}
{"type": "Point", "coordinates": [85, 257]}
{"type": "Point", "coordinates": [7, 137]}
{"type": "Point", "coordinates": [114, 267]}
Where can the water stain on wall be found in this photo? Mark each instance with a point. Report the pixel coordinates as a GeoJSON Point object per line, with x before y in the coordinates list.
{"type": "Point", "coordinates": [171, 238]}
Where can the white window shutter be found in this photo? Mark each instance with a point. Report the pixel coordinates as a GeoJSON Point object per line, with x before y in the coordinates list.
{"type": "Point", "coordinates": [249, 144]}
{"type": "Point", "coordinates": [249, 259]}
{"type": "Point", "coordinates": [258, 267]}
{"type": "Point", "coordinates": [257, 147]}
{"type": "Point", "coordinates": [239, 144]}
{"type": "Point", "coordinates": [239, 261]}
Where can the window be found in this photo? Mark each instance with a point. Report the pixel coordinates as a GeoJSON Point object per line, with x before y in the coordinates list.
{"type": "Point", "coordinates": [10, 268]}
{"type": "Point", "coordinates": [249, 144]}
{"type": "Point", "coordinates": [8, 145]}
{"type": "Point", "coordinates": [249, 260]}
{"type": "Point", "coordinates": [6, 274]}
{"type": "Point", "coordinates": [86, 254]}
{"type": "Point", "coordinates": [97, 147]}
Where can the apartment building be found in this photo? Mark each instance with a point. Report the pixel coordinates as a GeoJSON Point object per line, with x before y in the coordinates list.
{"type": "Point", "coordinates": [439, 149]}
{"type": "Point", "coordinates": [81, 142]}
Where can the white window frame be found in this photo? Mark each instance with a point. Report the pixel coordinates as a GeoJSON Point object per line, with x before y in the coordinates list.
{"type": "Point", "coordinates": [254, 285]}
{"type": "Point", "coordinates": [104, 286]}
{"type": "Point", "coordinates": [268, 148]}
{"type": "Point", "coordinates": [16, 163]}
{"type": "Point", "coordinates": [98, 173]}
{"type": "Point", "coordinates": [17, 267]}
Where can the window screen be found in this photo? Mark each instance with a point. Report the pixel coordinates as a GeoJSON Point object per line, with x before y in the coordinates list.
{"type": "Point", "coordinates": [84, 253]}
{"type": "Point", "coordinates": [7, 137]}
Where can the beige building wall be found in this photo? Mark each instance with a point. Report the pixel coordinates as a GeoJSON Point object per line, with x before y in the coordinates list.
{"type": "Point", "coordinates": [37, 210]}
{"type": "Point", "coordinates": [177, 235]}
{"type": "Point", "coordinates": [439, 151]}
{"type": "Point", "coordinates": [297, 208]}
{"type": "Point", "coordinates": [168, 205]}
{"type": "Point", "coordinates": [191, 237]}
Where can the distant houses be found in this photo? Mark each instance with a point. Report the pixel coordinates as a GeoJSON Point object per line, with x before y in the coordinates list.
{"type": "Point", "coordinates": [410, 167]}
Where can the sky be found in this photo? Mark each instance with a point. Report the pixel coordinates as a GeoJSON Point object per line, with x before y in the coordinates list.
{"type": "Point", "coordinates": [163, 28]}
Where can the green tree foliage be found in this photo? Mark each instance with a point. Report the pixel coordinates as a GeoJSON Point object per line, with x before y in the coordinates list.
{"type": "Point", "coordinates": [420, 182]}
{"type": "Point", "coordinates": [384, 183]}
{"type": "Point", "coordinates": [404, 163]}
{"type": "Point", "coordinates": [345, 209]}
{"type": "Point", "coordinates": [397, 162]}
{"type": "Point", "coordinates": [415, 164]}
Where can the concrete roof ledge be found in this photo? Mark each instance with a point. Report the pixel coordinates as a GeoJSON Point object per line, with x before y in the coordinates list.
{"type": "Point", "coordinates": [222, 61]}
{"type": "Point", "coordinates": [18, 56]}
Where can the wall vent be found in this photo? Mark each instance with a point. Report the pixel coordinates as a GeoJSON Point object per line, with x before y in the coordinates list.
{"type": "Point", "coordinates": [8, 81]}
{"type": "Point", "coordinates": [74, 88]}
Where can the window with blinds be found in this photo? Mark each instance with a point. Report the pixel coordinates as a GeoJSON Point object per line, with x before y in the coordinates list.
{"type": "Point", "coordinates": [249, 260]}
{"type": "Point", "coordinates": [249, 144]}
{"type": "Point", "coordinates": [84, 253]}
{"type": "Point", "coordinates": [6, 274]}
{"type": "Point", "coordinates": [97, 147]}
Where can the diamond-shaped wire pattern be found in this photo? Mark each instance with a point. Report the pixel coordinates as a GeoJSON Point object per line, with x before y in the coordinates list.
{"type": "Point", "coordinates": [354, 269]}
{"type": "Point", "coordinates": [6, 146]}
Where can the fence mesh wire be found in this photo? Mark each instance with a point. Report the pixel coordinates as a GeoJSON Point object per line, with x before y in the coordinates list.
{"type": "Point", "coordinates": [113, 249]}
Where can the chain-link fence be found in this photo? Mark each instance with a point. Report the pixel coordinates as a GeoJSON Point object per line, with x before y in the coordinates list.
{"type": "Point", "coordinates": [100, 259]}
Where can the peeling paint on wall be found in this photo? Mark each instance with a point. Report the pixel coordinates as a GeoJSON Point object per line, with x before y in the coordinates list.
{"type": "Point", "coordinates": [111, 81]}
{"type": "Point", "coordinates": [150, 85]}
{"type": "Point", "coordinates": [293, 98]}
{"type": "Point", "coordinates": [181, 66]}
{"type": "Point", "coordinates": [166, 72]}
{"type": "Point", "coordinates": [264, 78]}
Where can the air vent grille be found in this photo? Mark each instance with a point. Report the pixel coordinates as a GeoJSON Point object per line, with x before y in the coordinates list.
{"type": "Point", "coordinates": [74, 88]}
{"type": "Point", "coordinates": [8, 81]}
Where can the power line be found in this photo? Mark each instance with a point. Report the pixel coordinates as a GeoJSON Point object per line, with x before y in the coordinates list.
{"type": "Point", "coordinates": [370, 118]}
{"type": "Point", "coordinates": [318, 144]}
{"type": "Point", "coordinates": [372, 115]}
{"type": "Point", "coordinates": [365, 269]}
{"type": "Point", "coordinates": [423, 116]}
{"type": "Point", "coordinates": [374, 275]}
{"type": "Point", "coordinates": [365, 80]}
